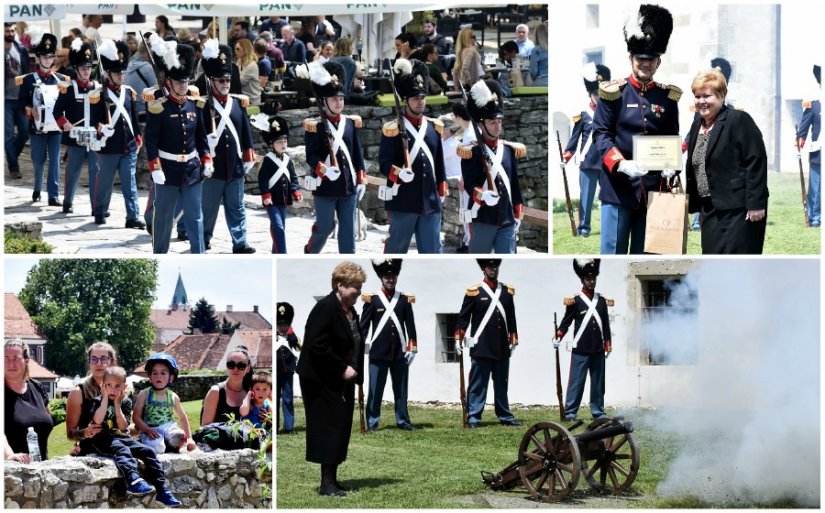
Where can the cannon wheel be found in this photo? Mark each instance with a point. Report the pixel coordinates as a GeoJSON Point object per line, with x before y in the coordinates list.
{"type": "Point", "coordinates": [549, 461]}
{"type": "Point", "coordinates": [616, 466]}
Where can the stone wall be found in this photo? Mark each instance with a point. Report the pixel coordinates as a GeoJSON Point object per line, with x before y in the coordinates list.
{"type": "Point", "coordinates": [525, 121]}
{"type": "Point", "coordinates": [220, 479]}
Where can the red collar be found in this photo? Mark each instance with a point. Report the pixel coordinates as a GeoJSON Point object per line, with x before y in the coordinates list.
{"type": "Point", "coordinates": [638, 85]}
{"type": "Point", "coordinates": [81, 84]}
{"type": "Point", "coordinates": [491, 284]}
{"type": "Point", "coordinates": [592, 106]}
{"type": "Point", "coordinates": [43, 74]}
{"type": "Point", "coordinates": [588, 293]}
{"type": "Point", "coordinates": [334, 119]}
{"type": "Point", "coordinates": [416, 122]}
{"type": "Point", "coordinates": [221, 98]}
{"type": "Point", "coordinates": [492, 145]}
{"type": "Point", "coordinates": [114, 88]}
{"type": "Point", "coordinates": [289, 331]}
{"type": "Point", "coordinates": [387, 293]}
{"type": "Point", "coordinates": [179, 100]}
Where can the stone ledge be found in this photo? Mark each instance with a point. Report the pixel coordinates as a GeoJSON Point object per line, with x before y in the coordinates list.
{"type": "Point", "coordinates": [219, 479]}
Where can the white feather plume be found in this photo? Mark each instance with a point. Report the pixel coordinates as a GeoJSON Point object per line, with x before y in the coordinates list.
{"type": "Point", "coordinates": [35, 35]}
{"type": "Point", "coordinates": [402, 67]}
{"type": "Point", "coordinates": [170, 58]}
{"type": "Point", "coordinates": [589, 72]}
{"type": "Point", "coordinates": [158, 45]}
{"type": "Point", "coordinates": [260, 121]}
{"type": "Point", "coordinates": [633, 26]}
{"type": "Point", "coordinates": [481, 94]}
{"type": "Point", "coordinates": [210, 49]}
{"type": "Point", "coordinates": [301, 71]}
{"type": "Point", "coordinates": [108, 49]}
{"type": "Point", "coordinates": [77, 43]}
{"type": "Point", "coordinates": [319, 74]}
{"type": "Point", "coordinates": [581, 262]}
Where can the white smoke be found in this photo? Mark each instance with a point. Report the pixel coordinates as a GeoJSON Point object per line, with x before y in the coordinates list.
{"type": "Point", "coordinates": [747, 418]}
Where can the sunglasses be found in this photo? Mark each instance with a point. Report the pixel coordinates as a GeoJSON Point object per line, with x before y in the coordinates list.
{"type": "Point", "coordinates": [223, 80]}
{"type": "Point", "coordinates": [235, 365]}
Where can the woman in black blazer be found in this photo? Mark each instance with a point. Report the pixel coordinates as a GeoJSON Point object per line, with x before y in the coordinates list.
{"type": "Point", "coordinates": [727, 171]}
{"type": "Point", "coordinates": [331, 363]}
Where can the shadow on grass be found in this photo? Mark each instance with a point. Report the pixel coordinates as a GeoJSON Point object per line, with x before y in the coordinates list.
{"type": "Point", "coordinates": [360, 484]}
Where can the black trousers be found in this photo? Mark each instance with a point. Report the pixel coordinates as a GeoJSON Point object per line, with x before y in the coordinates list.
{"type": "Point", "coordinates": [329, 421]}
{"type": "Point", "coordinates": [126, 452]}
{"type": "Point", "coordinates": [727, 232]}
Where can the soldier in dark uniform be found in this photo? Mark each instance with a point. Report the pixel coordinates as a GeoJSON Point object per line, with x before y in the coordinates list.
{"type": "Point", "coordinates": [416, 182]}
{"type": "Point", "coordinates": [43, 130]}
{"type": "Point", "coordinates": [277, 179]}
{"type": "Point", "coordinates": [496, 215]}
{"type": "Point", "coordinates": [175, 139]}
{"type": "Point", "coordinates": [812, 120]}
{"type": "Point", "coordinates": [73, 108]}
{"type": "Point", "coordinates": [230, 141]}
{"type": "Point", "coordinates": [591, 341]}
{"type": "Point", "coordinates": [388, 321]}
{"type": "Point", "coordinates": [487, 325]}
{"type": "Point", "coordinates": [581, 145]}
{"type": "Point", "coordinates": [116, 112]}
{"type": "Point", "coordinates": [338, 184]}
{"type": "Point", "coordinates": [287, 349]}
{"type": "Point", "coordinates": [633, 106]}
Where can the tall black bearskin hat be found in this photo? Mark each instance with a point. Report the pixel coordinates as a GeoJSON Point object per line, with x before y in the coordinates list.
{"type": "Point", "coordinates": [485, 100]}
{"type": "Point", "coordinates": [80, 53]}
{"type": "Point", "coordinates": [272, 127]}
{"type": "Point", "coordinates": [179, 61]}
{"type": "Point", "coordinates": [284, 313]}
{"type": "Point", "coordinates": [387, 266]}
{"type": "Point", "coordinates": [484, 262]}
{"type": "Point", "coordinates": [327, 79]}
{"type": "Point", "coordinates": [593, 74]}
{"type": "Point", "coordinates": [217, 59]}
{"type": "Point", "coordinates": [114, 56]}
{"type": "Point", "coordinates": [818, 73]}
{"type": "Point", "coordinates": [42, 43]}
{"type": "Point", "coordinates": [723, 66]}
{"type": "Point", "coordinates": [648, 31]}
{"type": "Point", "coordinates": [412, 78]}
{"type": "Point", "coordinates": [586, 266]}
{"type": "Point", "coordinates": [460, 110]}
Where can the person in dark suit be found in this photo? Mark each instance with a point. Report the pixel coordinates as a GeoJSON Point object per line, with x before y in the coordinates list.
{"type": "Point", "coordinates": [727, 171]}
{"type": "Point", "coordinates": [591, 341]}
{"type": "Point", "coordinates": [330, 365]}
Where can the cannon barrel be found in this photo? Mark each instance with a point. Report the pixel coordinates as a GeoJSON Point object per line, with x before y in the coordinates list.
{"type": "Point", "coordinates": [606, 432]}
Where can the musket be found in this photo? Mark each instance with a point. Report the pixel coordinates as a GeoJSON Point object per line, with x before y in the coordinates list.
{"type": "Point", "coordinates": [399, 116]}
{"type": "Point", "coordinates": [462, 389]}
{"type": "Point", "coordinates": [558, 371]}
{"type": "Point", "coordinates": [361, 417]}
{"type": "Point", "coordinates": [155, 67]}
{"type": "Point", "coordinates": [566, 189]}
{"type": "Point", "coordinates": [485, 158]}
{"type": "Point", "coordinates": [801, 177]}
{"type": "Point", "coordinates": [103, 92]}
{"type": "Point", "coordinates": [333, 161]}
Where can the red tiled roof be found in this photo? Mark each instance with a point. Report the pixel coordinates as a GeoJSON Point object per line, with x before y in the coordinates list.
{"type": "Point", "coordinates": [18, 323]}
{"type": "Point", "coordinates": [195, 351]}
{"type": "Point", "coordinates": [37, 371]}
{"type": "Point", "coordinates": [163, 318]}
{"type": "Point", "coordinates": [248, 320]}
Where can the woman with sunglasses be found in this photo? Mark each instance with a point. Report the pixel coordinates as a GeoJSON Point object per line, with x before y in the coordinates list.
{"type": "Point", "coordinates": [330, 365]}
{"type": "Point", "coordinates": [80, 407]}
{"type": "Point", "coordinates": [467, 69]}
{"type": "Point", "coordinates": [226, 397]}
{"type": "Point", "coordinates": [27, 405]}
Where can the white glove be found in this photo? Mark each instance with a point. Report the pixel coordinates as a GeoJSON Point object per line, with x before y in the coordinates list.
{"type": "Point", "coordinates": [360, 190]}
{"type": "Point", "coordinates": [208, 169]}
{"type": "Point", "coordinates": [107, 131]}
{"type": "Point", "coordinates": [267, 201]}
{"type": "Point", "coordinates": [518, 224]}
{"type": "Point", "coordinates": [333, 173]}
{"type": "Point", "coordinates": [631, 169]}
{"type": "Point", "coordinates": [158, 177]}
{"type": "Point", "coordinates": [668, 173]}
{"type": "Point", "coordinates": [247, 166]}
{"type": "Point", "coordinates": [410, 356]}
{"type": "Point", "coordinates": [406, 175]}
{"type": "Point", "coordinates": [459, 348]}
{"type": "Point", "coordinates": [490, 198]}
{"type": "Point", "coordinates": [562, 165]}
{"type": "Point", "coordinates": [212, 141]}
{"type": "Point", "coordinates": [606, 355]}
{"type": "Point", "coordinates": [512, 350]}
{"type": "Point", "coordinates": [556, 343]}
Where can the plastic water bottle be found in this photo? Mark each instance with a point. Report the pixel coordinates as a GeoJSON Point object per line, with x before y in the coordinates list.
{"type": "Point", "coordinates": [34, 445]}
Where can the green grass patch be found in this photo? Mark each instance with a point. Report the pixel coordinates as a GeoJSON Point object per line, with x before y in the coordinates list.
{"type": "Point", "coordinates": [786, 232]}
{"type": "Point", "coordinates": [16, 243]}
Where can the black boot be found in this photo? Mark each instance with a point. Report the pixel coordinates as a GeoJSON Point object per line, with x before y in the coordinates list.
{"type": "Point", "coordinates": [328, 485]}
{"type": "Point", "coordinates": [67, 208]}
{"type": "Point", "coordinates": [36, 196]}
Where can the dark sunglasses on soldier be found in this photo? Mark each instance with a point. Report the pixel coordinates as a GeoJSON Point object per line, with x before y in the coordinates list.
{"type": "Point", "coordinates": [233, 365]}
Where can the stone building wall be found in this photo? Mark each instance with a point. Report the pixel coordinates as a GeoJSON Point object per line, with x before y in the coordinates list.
{"type": "Point", "coordinates": [219, 479]}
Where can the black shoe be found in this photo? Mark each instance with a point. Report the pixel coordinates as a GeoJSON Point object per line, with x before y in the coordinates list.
{"type": "Point", "coordinates": [342, 487]}
{"type": "Point", "coordinates": [67, 208]}
{"type": "Point", "coordinates": [408, 427]}
{"type": "Point", "coordinates": [15, 173]}
{"type": "Point", "coordinates": [149, 229]}
{"type": "Point", "coordinates": [182, 236]}
{"type": "Point", "coordinates": [306, 249]}
{"type": "Point", "coordinates": [106, 214]}
{"type": "Point", "coordinates": [332, 492]}
{"type": "Point", "coordinates": [473, 425]}
{"type": "Point", "coordinates": [55, 202]}
{"type": "Point", "coordinates": [100, 220]}
{"type": "Point", "coordinates": [243, 250]}
{"type": "Point", "coordinates": [208, 246]}
{"type": "Point", "coordinates": [463, 249]}
{"type": "Point", "coordinates": [513, 422]}
{"type": "Point", "coordinates": [135, 223]}
{"type": "Point", "coordinates": [372, 429]}
{"type": "Point", "coordinates": [285, 432]}
{"type": "Point", "coordinates": [36, 196]}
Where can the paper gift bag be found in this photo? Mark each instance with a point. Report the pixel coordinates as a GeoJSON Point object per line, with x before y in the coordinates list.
{"type": "Point", "coordinates": [666, 225]}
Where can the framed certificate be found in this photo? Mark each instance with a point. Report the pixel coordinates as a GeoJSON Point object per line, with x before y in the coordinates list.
{"type": "Point", "coordinates": [657, 152]}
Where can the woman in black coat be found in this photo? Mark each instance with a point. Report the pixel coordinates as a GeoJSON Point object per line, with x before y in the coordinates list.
{"type": "Point", "coordinates": [331, 364]}
{"type": "Point", "coordinates": [727, 171]}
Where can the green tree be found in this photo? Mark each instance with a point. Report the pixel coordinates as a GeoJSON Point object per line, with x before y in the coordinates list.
{"type": "Point", "coordinates": [77, 302]}
{"type": "Point", "coordinates": [203, 317]}
{"type": "Point", "coordinates": [227, 328]}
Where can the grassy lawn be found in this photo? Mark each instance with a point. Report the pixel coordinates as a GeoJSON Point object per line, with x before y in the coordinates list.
{"type": "Point", "coordinates": [786, 233]}
{"type": "Point", "coordinates": [438, 466]}
{"type": "Point", "coordinates": [59, 445]}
